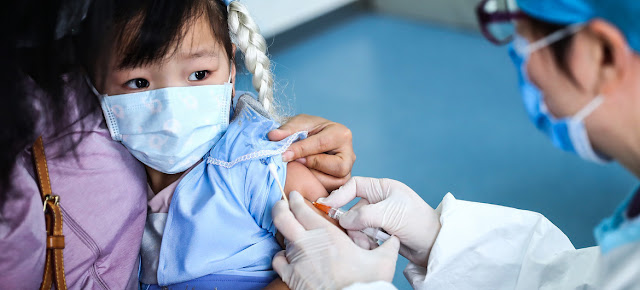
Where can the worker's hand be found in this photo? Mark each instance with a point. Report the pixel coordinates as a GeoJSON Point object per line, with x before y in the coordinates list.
{"type": "Point", "coordinates": [392, 206]}
{"type": "Point", "coordinates": [328, 150]}
{"type": "Point", "coordinates": [320, 256]}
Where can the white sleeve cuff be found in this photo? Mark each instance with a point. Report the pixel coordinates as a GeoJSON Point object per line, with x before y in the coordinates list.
{"type": "Point", "coordinates": [378, 285]}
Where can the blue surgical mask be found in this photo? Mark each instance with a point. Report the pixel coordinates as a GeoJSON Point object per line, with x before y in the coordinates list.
{"type": "Point", "coordinates": [568, 134]}
{"type": "Point", "coordinates": [169, 129]}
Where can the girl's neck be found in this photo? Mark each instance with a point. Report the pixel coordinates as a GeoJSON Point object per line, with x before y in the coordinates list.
{"type": "Point", "coordinates": [158, 180]}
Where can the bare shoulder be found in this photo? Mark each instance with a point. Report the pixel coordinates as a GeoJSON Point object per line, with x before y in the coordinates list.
{"type": "Point", "coordinates": [300, 179]}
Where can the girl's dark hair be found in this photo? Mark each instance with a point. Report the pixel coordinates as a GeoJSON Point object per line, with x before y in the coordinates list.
{"type": "Point", "coordinates": [41, 67]}
{"type": "Point", "coordinates": [38, 61]}
{"type": "Point", "coordinates": [147, 31]}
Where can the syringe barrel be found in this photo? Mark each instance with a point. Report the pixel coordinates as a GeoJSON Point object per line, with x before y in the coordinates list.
{"type": "Point", "coordinates": [335, 213]}
{"type": "Point", "coordinates": [376, 234]}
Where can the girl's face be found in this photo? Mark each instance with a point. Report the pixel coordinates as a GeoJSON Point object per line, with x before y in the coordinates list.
{"type": "Point", "coordinates": [200, 59]}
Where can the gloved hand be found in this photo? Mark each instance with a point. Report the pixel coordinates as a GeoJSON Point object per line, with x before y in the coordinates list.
{"type": "Point", "coordinates": [392, 206]}
{"type": "Point", "coordinates": [318, 255]}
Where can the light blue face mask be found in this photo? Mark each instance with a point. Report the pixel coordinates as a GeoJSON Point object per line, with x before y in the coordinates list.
{"type": "Point", "coordinates": [169, 129]}
{"type": "Point", "coordinates": [568, 133]}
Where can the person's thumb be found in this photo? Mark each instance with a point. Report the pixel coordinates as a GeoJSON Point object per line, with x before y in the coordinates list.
{"type": "Point", "coordinates": [366, 216]}
{"type": "Point", "coordinates": [368, 188]}
{"type": "Point", "coordinates": [282, 267]}
{"type": "Point", "coordinates": [278, 134]}
{"type": "Point", "coordinates": [386, 257]}
{"type": "Point", "coordinates": [391, 247]}
{"type": "Point", "coordinates": [341, 196]}
{"type": "Point", "coordinates": [362, 240]}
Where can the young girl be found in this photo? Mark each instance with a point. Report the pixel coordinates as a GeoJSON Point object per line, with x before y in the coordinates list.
{"type": "Point", "coordinates": [168, 95]}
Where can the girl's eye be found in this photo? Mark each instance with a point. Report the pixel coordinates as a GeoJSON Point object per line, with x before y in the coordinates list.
{"type": "Point", "coordinates": [199, 75]}
{"type": "Point", "coordinates": [137, 84]}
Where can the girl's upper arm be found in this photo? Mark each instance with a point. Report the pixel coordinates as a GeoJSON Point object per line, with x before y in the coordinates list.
{"type": "Point", "coordinates": [300, 179]}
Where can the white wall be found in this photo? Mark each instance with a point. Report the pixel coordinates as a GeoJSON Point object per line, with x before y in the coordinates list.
{"type": "Point", "coordinates": [459, 13]}
{"type": "Point", "coordinates": [276, 16]}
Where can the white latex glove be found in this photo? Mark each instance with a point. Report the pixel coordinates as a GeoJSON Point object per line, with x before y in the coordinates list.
{"type": "Point", "coordinates": [392, 206]}
{"type": "Point", "coordinates": [318, 255]}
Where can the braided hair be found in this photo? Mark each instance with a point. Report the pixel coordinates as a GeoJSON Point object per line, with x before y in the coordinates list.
{"type": "Point", "coordinates": [246, 34]}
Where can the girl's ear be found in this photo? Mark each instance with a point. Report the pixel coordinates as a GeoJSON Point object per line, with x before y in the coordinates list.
{"type": "Point", "coordinates": [233, 71]}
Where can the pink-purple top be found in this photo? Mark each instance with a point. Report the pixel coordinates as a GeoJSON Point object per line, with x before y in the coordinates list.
{"type": "Point", "coordinates": [103, 195]}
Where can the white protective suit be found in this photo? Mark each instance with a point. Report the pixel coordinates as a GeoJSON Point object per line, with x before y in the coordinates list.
{"type": "Point", "coordinates": [484, 246]}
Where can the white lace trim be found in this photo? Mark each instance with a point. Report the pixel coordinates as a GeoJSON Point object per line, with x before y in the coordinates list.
{"type": "Point", "coordinates": [257, 154]}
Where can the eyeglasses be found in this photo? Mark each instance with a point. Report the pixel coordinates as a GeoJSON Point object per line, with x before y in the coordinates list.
{"type": "Point", "coordinates": [497, 19]}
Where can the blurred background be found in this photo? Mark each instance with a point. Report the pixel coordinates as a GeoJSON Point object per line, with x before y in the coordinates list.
{"type": "Point", "coordinates": [432, 104]}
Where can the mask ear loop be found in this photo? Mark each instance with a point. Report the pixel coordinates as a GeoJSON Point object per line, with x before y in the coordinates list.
{"type": "Point", "coordinates": [93, 88]}
{"type": "Point", "coordinates": [553, 37]}
{"type": "Point", "coordinates": [589, 108]}
{"type": "Point", "coordinates": [585, 149]}
{"type": "Point", "coordinates": [233, 89]}
{"type": "Point", "coordinates": [230, 68]}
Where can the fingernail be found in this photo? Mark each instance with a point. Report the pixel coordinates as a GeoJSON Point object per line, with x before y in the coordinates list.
{"type": "Point", "coordinates": [320, 200]}
{"type": "Point", "coordinates": [287, 156]}
{"type": "Point", "coordinates": [302, 160]}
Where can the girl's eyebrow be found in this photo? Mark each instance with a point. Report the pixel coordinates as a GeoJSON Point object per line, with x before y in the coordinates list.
{"type": "Point", "coordinates": [200, 53]}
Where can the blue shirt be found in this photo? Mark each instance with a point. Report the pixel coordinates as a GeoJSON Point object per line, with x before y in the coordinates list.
{"type": "Point", "coordinates": [219, 220]}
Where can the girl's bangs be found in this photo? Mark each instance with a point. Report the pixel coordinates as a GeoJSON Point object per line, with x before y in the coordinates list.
{"type": "Point", "coordinates": [147, 31]}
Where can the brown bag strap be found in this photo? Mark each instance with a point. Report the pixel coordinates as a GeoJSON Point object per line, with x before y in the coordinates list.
{"type": "Point", "coordinates": [53, 265]}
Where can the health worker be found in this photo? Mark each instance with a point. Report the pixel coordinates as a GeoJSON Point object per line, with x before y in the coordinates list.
{"type": "Point", "coordinates": [578, 63]}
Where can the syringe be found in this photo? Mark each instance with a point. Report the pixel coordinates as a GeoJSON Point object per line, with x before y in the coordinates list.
{"type": "Point", "coordinates": [335, 213]}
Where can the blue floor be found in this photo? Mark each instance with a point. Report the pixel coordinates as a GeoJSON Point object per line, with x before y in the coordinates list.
{"type": "Point", "coordinates": [439, 110]}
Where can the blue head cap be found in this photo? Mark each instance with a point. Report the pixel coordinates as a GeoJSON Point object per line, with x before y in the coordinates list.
{"type": "Point", "coordinates": [621, 13]}
{"type": "Point", "coordinates": [227, 2]}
